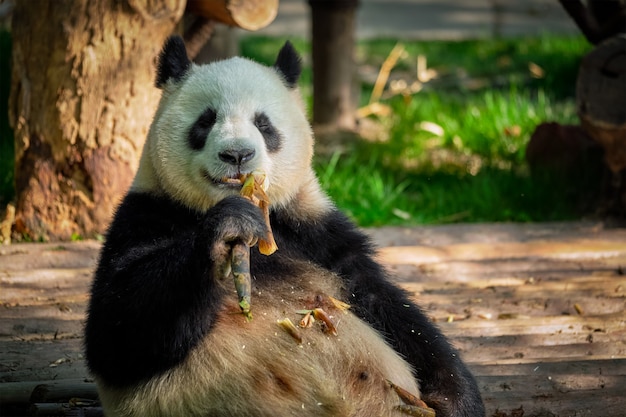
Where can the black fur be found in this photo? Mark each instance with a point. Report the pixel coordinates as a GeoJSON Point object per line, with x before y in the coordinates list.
{"type": "Point", "coordinates": [153, 294]}
{"type": "Point", "coordinates": [200, 130]}
{"type": "Point", "coordinates": [270, 134]}
{"type": "Point", "coordinates": [289, 64]}
{"type": "Point", "coordinates": [173, 61]}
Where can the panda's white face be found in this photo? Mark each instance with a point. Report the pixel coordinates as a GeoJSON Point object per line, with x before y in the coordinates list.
{"type": "Point", "coordinates": [217, 121]}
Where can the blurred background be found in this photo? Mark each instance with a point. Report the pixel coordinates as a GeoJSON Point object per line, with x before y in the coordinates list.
{"type": "Point", "coordinates": [425, 112]}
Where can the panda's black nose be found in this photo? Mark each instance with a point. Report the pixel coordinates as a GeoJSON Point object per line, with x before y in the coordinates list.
{"type": "Point", "coordinates": [236, 156]}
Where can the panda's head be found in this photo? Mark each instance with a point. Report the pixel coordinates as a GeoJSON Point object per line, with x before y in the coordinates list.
{"type": "Point", "coordinates": [224, 119]}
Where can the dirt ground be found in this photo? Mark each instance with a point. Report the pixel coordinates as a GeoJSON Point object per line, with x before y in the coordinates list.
{"type": "Point", "coordinates": [538, 311]}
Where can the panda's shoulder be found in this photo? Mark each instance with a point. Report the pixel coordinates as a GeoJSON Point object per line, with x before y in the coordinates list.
{"type": "Point", "coordinates": [331, 232]}
{"type": "Point", "coordinates": [149, 205]}
{"type": "Point", "coordinates": [144, 213]}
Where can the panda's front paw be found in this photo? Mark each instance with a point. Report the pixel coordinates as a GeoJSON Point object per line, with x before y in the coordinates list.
{"type": "Point", "coordinates": [232, 221]}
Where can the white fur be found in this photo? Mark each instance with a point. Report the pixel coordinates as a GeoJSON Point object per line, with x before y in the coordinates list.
{"type": "Point", "coordinates": [236, 89]}
{"type": "Point", "coordinates": [256, 369]}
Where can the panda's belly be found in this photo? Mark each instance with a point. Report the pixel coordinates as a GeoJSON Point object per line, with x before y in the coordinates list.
{"type": "Point", "coordinates": [256, 368]}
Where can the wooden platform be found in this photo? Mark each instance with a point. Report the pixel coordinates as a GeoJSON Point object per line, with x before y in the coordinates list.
{"type": "Point", "coordinates": [538, 311]}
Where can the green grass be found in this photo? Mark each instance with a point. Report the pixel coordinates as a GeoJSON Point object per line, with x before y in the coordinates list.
{"type": "Point", "coordinates": [375, 194]}
{"type": "Point", "coordinates": [474, 169]}
{"type": "Point", "coordinates": [504, 58]}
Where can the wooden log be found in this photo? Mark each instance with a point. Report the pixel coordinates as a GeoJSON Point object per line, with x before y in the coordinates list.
{"type": "Point", "coordinates": [54, 391]}
{"type": "Point", "coordinates": [64, 409]}
{"type": "Point", "coordinates": [564, 151]}
{"type": "Point", "coordinates": [44, 391]}
{"type": "Point", "coordinates": [597, 19]}
{"type": "Point", "coordinates": [246, 14]}
{"type": "Point", "coordinates": [16, 392]}
{"type": "Point", "coordinates": [601, 99]}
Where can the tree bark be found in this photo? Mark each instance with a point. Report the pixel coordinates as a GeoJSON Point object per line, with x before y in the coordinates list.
{"type": "Point", "coordinates": [598, 20]}
{"type": "Point", "coordinates": [82, 99]}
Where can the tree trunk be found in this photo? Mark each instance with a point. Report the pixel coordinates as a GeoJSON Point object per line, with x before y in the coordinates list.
{"type": "Point", "coordinates": [601, 105]}
{"type": "Point", "coordinates": [333, 27]}
{"type": "Point", "coordinates": [601, 99]}
{"type": "Point", "coordinates": [82, 99]}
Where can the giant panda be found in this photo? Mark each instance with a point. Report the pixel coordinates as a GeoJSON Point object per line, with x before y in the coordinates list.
{"type": "Point", "coordinates": [165, 335]}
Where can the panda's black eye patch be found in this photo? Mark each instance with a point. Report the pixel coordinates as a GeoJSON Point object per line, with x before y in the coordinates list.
{"type": "Point", "coordinates": [201, 128]}
{"type": "Point", "coordinates": [269, 132]}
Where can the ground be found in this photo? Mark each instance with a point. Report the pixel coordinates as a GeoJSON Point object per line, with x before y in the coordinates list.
{"type": "Point", "coordinates": [538, 312]}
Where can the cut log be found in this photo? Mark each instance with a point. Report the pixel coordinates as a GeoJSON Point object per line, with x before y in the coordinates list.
{"type": "Point", "coordinates": [564, 151]}
{"type": "Point", "coordinates": [246, 14]}
{"type": "Point", "coordinates": [46, 391]}
{"type": "Point", "coordinates": [16, 392]}
{"type": "Point", "coordinates": [64, 409]}
{"type": "Point", "coordinates": [601, 99]}
{"type": "Point", "coordinates": [597, 19]}
{"type": "Point", "coordinates": [54, 391]}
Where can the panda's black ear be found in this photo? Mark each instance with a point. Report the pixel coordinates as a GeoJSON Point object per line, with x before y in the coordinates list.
{"type": "Point", "coordinates": [289, 64]}
{"type": "Point", "coordinates": [173, 61]}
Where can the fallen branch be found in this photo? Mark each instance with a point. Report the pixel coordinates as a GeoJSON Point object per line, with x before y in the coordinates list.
{"type": "Point", "coordinates": [385, 69]}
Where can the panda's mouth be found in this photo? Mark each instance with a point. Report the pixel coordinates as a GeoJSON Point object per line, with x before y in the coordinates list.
{"type": "Point", "coordinates": [230, 181]}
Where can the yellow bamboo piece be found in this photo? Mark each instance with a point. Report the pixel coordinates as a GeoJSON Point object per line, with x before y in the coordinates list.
{"type": "Point", "coordinates": [253, 189]}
